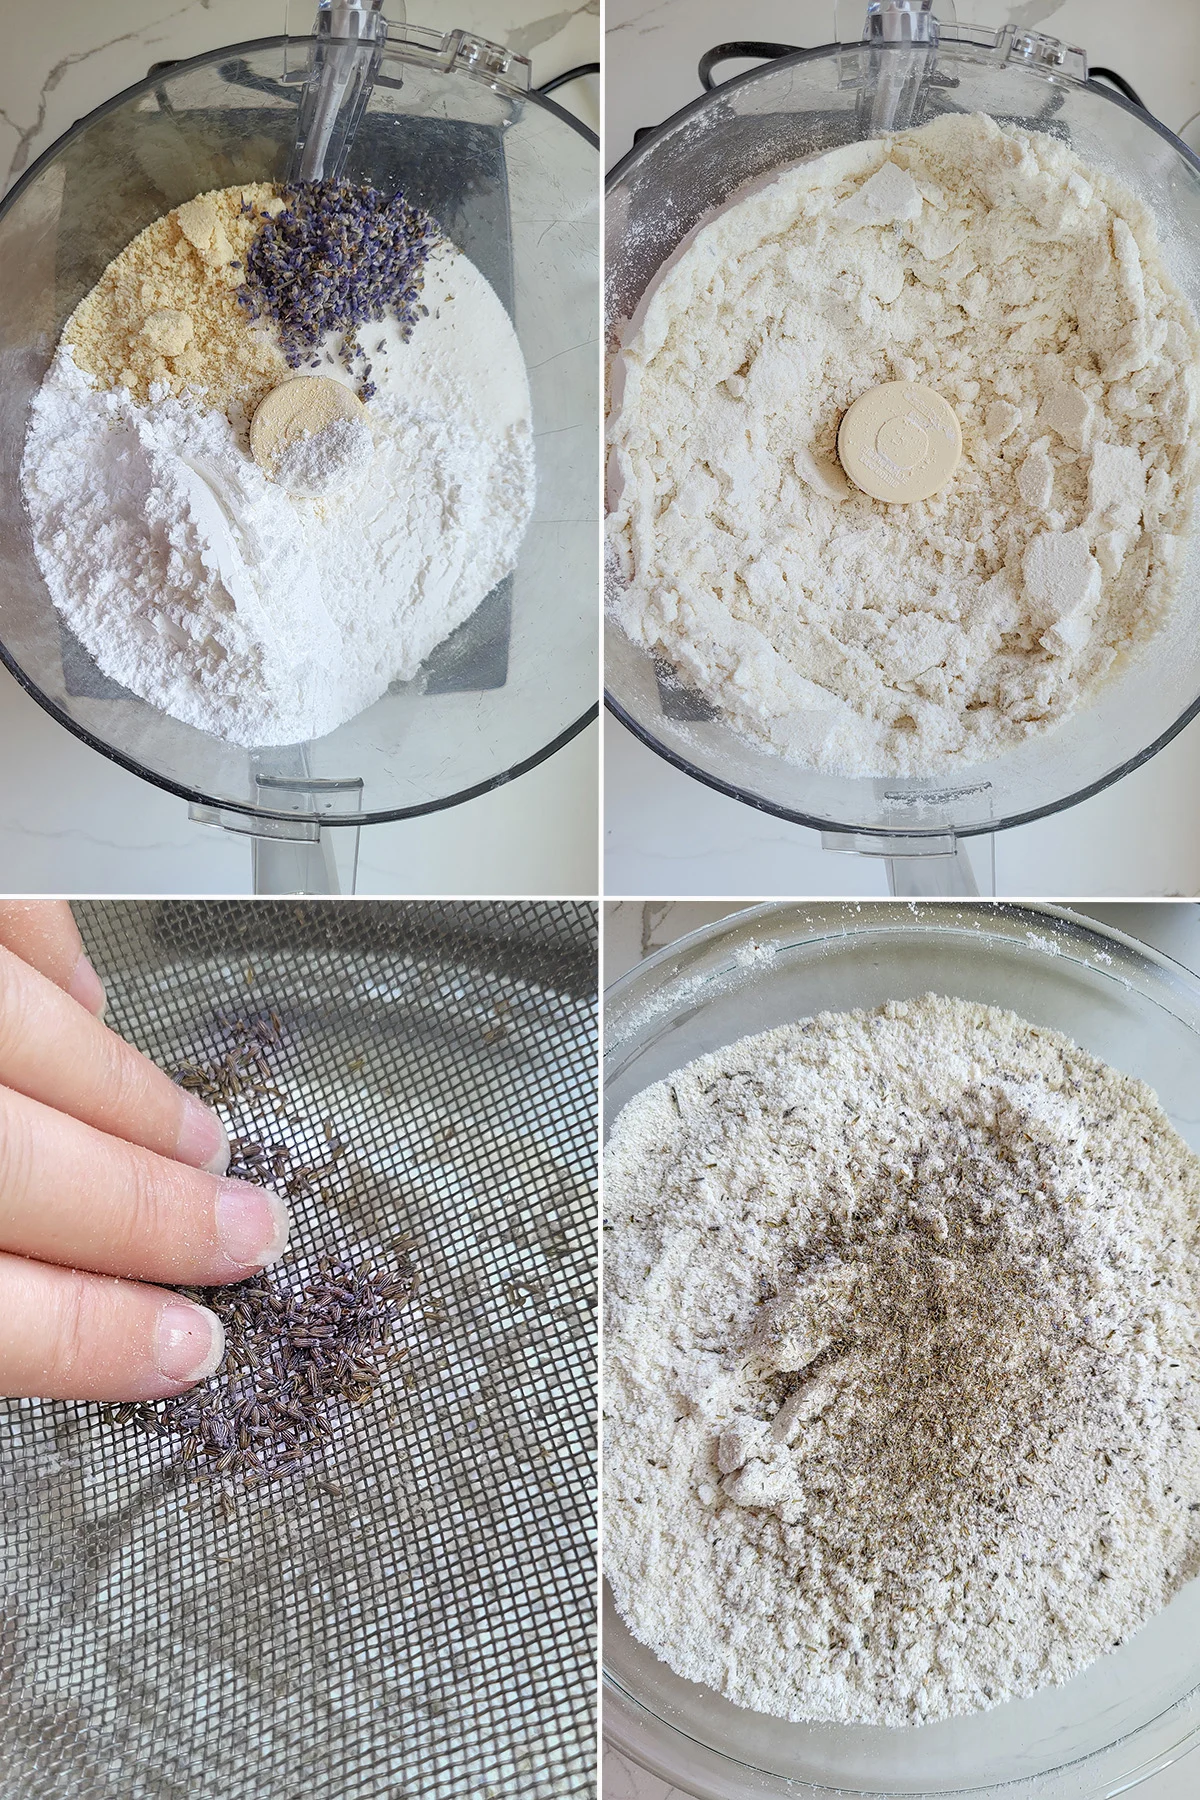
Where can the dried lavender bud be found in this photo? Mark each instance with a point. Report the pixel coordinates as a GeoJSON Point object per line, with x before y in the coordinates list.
{"type": "Point", "coordinates": [293, 1352]}
{"type": "Point", "coordinates": [338, 256]}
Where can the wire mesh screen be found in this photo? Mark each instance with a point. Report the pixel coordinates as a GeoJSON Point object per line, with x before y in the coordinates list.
{"type": "Point", "coordinates": [411, 1615]}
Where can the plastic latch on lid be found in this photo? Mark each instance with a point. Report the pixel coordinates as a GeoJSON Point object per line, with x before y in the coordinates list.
{"type": "Point", "coordinates": [1013, 44]}
{"type": "Point", "coordinates": [1049, 54]}
{"type": "Point", "coordinates": [505, 70]}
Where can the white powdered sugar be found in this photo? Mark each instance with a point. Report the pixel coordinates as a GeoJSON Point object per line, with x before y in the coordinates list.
{"type": "Point", "coordinates": [323, 461]}
{"type": "Point", "coordinates": [860, 637]}
{"type": "Point", "coordinates": [265, 616]}
{"type": "Point", "coordinates": [902, 1385]}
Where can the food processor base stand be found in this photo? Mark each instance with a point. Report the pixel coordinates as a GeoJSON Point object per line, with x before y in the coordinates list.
{"type": "Point", "coordinates": [328, 864]}
{"type": "Point", "coordinates": [303, 854]}
{"type": "Point", "coordinates": [936, 868]}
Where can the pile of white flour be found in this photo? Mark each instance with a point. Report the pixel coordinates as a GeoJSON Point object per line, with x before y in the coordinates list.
{"type": "Point", "coordinates": [902, 1386]}
{"type": "Point", "coordinates": [269, 617]}
{"type": "Point", "coordinates": [865, 638]}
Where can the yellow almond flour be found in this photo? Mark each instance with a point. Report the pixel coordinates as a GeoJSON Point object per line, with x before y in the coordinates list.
{"type": "Point", "coordinates": [166, 309]}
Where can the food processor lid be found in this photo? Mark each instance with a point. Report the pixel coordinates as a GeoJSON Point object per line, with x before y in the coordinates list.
{"type": "Point", "coordinates": [897, 65]}
{"type": "Point", "coordinates": [511, 177]}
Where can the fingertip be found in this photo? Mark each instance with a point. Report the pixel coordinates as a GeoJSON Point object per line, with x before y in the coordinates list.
{"type": "Point", "coordinates": [190, 1342]}
{"type": "Point", "coordinates": [86, 987]}
{"type": "Point", "coordinates": [252, 1226]}
{"type": "Point", "coordinates": [203, 1141]}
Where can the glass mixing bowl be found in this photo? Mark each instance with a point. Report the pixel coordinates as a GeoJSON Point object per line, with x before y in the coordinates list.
{"type": "Point", "coordinates": [1135, 1710]}
{"type": "Point", "coordinates": [513, 181]}
{"type": "Point", "coordinates": [773, 117]}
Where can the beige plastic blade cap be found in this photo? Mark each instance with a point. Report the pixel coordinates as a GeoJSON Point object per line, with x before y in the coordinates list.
{"type": "Point", "coordinates": [900, 442]}
{"type": "Point", "coordinates": [299, 408]}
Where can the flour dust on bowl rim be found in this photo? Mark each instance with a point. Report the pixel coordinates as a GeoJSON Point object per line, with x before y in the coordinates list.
{"type": "Point", "coordinates": [774, 118]}
{"type": "Point", "coordinates": [511, 180]}
{"type": "Point", "coordinates": [1135, 1710]}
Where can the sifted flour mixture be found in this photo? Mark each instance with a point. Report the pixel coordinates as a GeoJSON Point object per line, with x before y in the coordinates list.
{"type": "Point", "coordinates": [865, 638]}
{"type": "Point", "coordinates": [270, 611]}
{"type": "Point", "coordinates": [903, 1385]}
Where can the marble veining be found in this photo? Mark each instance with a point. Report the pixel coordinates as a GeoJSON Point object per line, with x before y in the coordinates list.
{"type": "Point", "coordinates": [528, 38]}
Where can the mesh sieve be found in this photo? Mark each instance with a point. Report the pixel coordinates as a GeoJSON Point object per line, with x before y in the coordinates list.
{"type": "Point", "coordinates": [410, 1618]}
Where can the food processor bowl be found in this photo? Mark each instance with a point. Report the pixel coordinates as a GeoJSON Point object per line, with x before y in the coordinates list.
{"type": "Point", "coordinates": [512, 180]}
{"type": "Point", "coordinates": [1135, 1710]}
{"type": "Point", "coordinates": [770, 119]}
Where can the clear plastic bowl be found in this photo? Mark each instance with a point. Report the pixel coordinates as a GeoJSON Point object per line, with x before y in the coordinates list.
{"type": "Point", "coordinates": [774, 117]}
{"type": "Point", "coordinates": [515, 186]}
{"type": "Point", "coordinates": [1135, 1710]}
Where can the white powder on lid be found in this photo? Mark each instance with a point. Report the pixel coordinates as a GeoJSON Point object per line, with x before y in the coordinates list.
{"type": "Point", "coordinates": [863, 638]}
{"type": "Point", "coordinates": [268, 617]}
{"type": "Point", "coordinates": [902, 1378]}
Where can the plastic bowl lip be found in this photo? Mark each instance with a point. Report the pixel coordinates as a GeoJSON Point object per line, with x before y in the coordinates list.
{"type": "Point", "coordinates": [777, 808]}
{"type": "Point", "coordinates": [844, 920]}
{"type": "Point", "coordinates": [195, 796]}
{"type": "Point", "coordinates": [901, 830]}
{"type": "Point", "coordinates": [948, 46]}
{"type": "Point", "coordinates": [648, 1725]}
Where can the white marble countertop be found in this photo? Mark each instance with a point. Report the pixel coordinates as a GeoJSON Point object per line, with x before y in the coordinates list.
{"type": "Point", "coordinates": [632, 930]}
{"type": "Point", "coordinates": [664, 832]}
{"type": "Point", "coordinates": [70, 821]}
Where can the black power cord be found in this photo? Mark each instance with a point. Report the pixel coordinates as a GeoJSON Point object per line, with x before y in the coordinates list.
{"type": "Point", "coordinates": [557, 81]}
{"type": "Point", "coordinates": [748, 49]}
{"type": "Point", "coordinates": [1121, 85]}
{"type": "Point", "coordinates": [744, 48]}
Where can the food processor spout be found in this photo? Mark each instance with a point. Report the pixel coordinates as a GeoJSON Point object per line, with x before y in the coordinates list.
{"type": "Point", "coordinates": [347, 47]}
{"type": "Point", "coordinates": [923, 868]}
{"type": "Point", "coordinates": [901, 22]}
{"type": "Point", "coordinates": [303, 829]}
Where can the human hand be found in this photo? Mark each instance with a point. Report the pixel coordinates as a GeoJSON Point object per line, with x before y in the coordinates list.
{"type": "Point", "coordinates": [109, 1181]}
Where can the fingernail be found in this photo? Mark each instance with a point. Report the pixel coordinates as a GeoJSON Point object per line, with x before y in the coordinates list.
{"type": "Point", "coordinates": [203, 1141]}
{"type": "Point", "coordinates": [191, 1341]}
{"type": "Point", "coordinates": [252, 1224]}
{"type": "Point", "coordinates": [87, 987]}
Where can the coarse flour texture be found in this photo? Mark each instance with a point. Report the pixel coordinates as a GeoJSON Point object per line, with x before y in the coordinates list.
{"type": "Point", "coordinates": [865, 638]}
{"type": "Point", "coordinates": [269, 617]}
{"type": "Point", "coordinates": [902, 1383]}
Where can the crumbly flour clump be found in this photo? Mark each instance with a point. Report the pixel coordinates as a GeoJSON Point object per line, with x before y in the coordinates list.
{"type": "Point", "coordinates": [903, 1385]}
{"type": "Point", "coordinates": [865, 638]}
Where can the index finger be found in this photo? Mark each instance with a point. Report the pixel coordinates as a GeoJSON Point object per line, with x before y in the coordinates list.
{"type": "Point", "coordinates": [52, 1051]}
{"type": "Point", "coordinates": [43, 933]}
